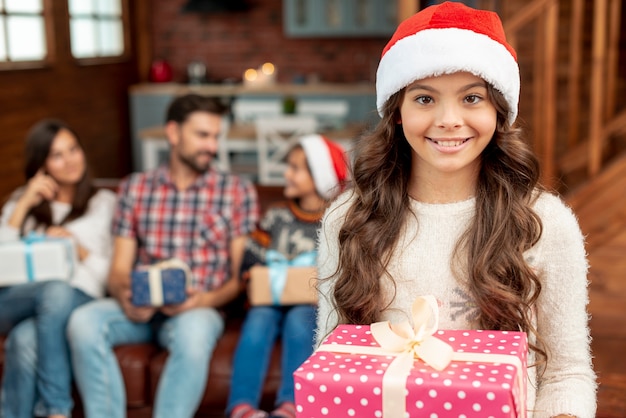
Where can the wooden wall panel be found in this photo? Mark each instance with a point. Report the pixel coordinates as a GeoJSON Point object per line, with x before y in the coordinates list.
{"type": "Point", "coordinates": [93, 99]}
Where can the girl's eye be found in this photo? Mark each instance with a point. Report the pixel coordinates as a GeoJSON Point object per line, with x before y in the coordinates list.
{"type": "Point", "coordinates": [472, 98]}
{"type": "Point", "coordinates": [424, 100]}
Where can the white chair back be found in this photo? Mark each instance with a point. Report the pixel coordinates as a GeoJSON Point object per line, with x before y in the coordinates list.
{"type": "Point", "coordinates": [275, 137]}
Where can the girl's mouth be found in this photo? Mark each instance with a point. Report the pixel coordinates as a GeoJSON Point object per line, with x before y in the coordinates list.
{"type": "Point", "coordinates": [455, 142]}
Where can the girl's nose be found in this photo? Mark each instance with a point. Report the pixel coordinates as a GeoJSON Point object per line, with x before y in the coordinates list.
{"type": "Point", "coordinates": [449, 116]}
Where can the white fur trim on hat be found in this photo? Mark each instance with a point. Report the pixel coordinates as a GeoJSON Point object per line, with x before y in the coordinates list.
{"type": "Point", "coordinates": [434, 52]}
{"type": "Point", "coordinates": [321, 164]}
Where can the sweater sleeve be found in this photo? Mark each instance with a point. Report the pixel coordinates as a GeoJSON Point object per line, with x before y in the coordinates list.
{"type": "Point", "coordinates": [328, 260]}
{"type": "Point", "coordinates": [7, 232]}
{"type": "Point", "coordinates": [93, 231]}
{"type": "Point", "coordinates": [568, 384]}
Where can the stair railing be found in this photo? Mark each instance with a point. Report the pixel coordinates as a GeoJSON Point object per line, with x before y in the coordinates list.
{"type": "Point", "coordinates": [544, 98]}
{"type": "Point", "coordinates": [603, 122]}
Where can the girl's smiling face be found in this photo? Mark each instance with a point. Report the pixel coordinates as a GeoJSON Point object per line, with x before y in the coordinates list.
{"type": "Point", "coordinates": [448, 120]}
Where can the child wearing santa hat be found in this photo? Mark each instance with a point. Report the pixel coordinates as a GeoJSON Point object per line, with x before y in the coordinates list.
{"type": "Point", "coordinates": [316, 171]}
{"type": "Point", "coordinates": [446, 201]}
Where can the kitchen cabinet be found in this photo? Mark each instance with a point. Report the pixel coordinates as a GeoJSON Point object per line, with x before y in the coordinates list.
{"type": "Point", "coordinates": [339, 18]}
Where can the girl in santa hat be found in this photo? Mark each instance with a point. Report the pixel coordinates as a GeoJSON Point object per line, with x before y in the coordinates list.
{"type": "Point", "coordinates": [316, 171]}
{"type": "Point", "coordinates": [446, 201]}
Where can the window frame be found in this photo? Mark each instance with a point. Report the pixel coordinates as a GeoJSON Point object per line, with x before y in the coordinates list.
{"type": "Point", "coordinates": [123, 57]}
{"type": "Point", "coordinates": [49, 58]}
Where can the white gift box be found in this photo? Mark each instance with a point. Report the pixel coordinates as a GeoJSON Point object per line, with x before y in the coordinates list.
{"type": "Point", "coordinates": [36, 259]}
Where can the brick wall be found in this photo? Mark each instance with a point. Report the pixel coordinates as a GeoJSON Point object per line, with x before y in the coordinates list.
{"type": "Point", "coordinates": [229, 43]}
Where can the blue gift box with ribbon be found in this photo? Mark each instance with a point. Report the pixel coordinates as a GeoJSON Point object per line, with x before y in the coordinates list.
{"type": "Point", "coordinates": [283, 281]}
{"type": "Point", "coordinates": [36, 258]}
{"type": "Point", "coordinates": [164, 283]}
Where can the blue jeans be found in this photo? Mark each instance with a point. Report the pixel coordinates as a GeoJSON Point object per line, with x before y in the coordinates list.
{"type": "Point", "coordinates": [37, 369]}
{"type": "Point", "coordinates": [190, 337]}
{"type": "Point", "coordinates": [262, 326]}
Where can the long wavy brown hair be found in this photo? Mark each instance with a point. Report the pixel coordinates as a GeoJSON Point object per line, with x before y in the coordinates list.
{"type": "Point", "coordinates": [502, 284]}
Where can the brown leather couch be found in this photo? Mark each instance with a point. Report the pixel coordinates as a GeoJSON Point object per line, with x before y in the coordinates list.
{"type": "Point", "coordinates": [141, 364]}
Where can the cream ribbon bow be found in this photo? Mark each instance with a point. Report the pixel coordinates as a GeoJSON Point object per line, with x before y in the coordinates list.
{"type": "Point", "coordinates": [411, 343]}
{"type": "Point", "coordinates": [416, 342]}
{"type": "Point", "coordinates": [155, 282]}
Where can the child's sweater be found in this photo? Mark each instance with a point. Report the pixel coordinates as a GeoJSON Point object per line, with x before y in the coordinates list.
{"type": "Point", "coordinates": [284, 228]}
{"type": "Point", "coordinates": [420, 265]}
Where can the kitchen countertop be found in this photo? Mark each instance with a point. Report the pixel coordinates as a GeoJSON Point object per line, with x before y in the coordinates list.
{"type": "Point", "coordinates": [341, 89]}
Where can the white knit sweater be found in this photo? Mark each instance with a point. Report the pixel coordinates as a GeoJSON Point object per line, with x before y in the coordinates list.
{"type": "Point", "coordinates": [421, 266]}
{"type": "Point", "coordinates": [92, 230]}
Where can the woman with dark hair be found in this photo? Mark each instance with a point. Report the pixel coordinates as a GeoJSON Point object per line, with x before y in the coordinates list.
{"type": "Point", "coordinates": [58, 200]}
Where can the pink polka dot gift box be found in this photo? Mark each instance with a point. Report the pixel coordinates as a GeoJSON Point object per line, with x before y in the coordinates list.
{"type": "Point", "coordinates": [385, 371]}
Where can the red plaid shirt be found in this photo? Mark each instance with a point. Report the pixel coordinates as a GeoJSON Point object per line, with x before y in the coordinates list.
{"type": "Point", "coordinates": [195, 225]}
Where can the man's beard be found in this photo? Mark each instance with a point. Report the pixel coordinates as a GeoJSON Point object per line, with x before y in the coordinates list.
{"type": "Point", "coordinates": [191, 162]}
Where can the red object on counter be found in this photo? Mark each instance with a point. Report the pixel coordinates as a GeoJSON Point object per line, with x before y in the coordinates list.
{"type": "Point", "coordinates": [160, 72]}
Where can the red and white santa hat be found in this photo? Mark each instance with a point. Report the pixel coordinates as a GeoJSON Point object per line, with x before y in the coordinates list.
{"type": "Point", "coordinates": [444, 39]}
{"type": "Point", "coordinates": [328, 164]}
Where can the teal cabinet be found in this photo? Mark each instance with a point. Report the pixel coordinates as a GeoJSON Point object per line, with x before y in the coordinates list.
{"type": "Point", "coordinates": [339, 18]}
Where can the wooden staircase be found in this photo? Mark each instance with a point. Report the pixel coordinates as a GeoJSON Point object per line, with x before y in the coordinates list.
{"type": "Point", "coordinates": [600, 205]}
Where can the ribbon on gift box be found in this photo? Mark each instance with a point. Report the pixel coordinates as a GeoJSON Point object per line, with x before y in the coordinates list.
{"type": "Point", "coordinates": [33, 238]}
{"type": "Point", "coordinates": [408, 343]}
{"type": "Point", "coordinates": [279, 264]}
{"type": "Point", "coordinates": [154, 278]}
